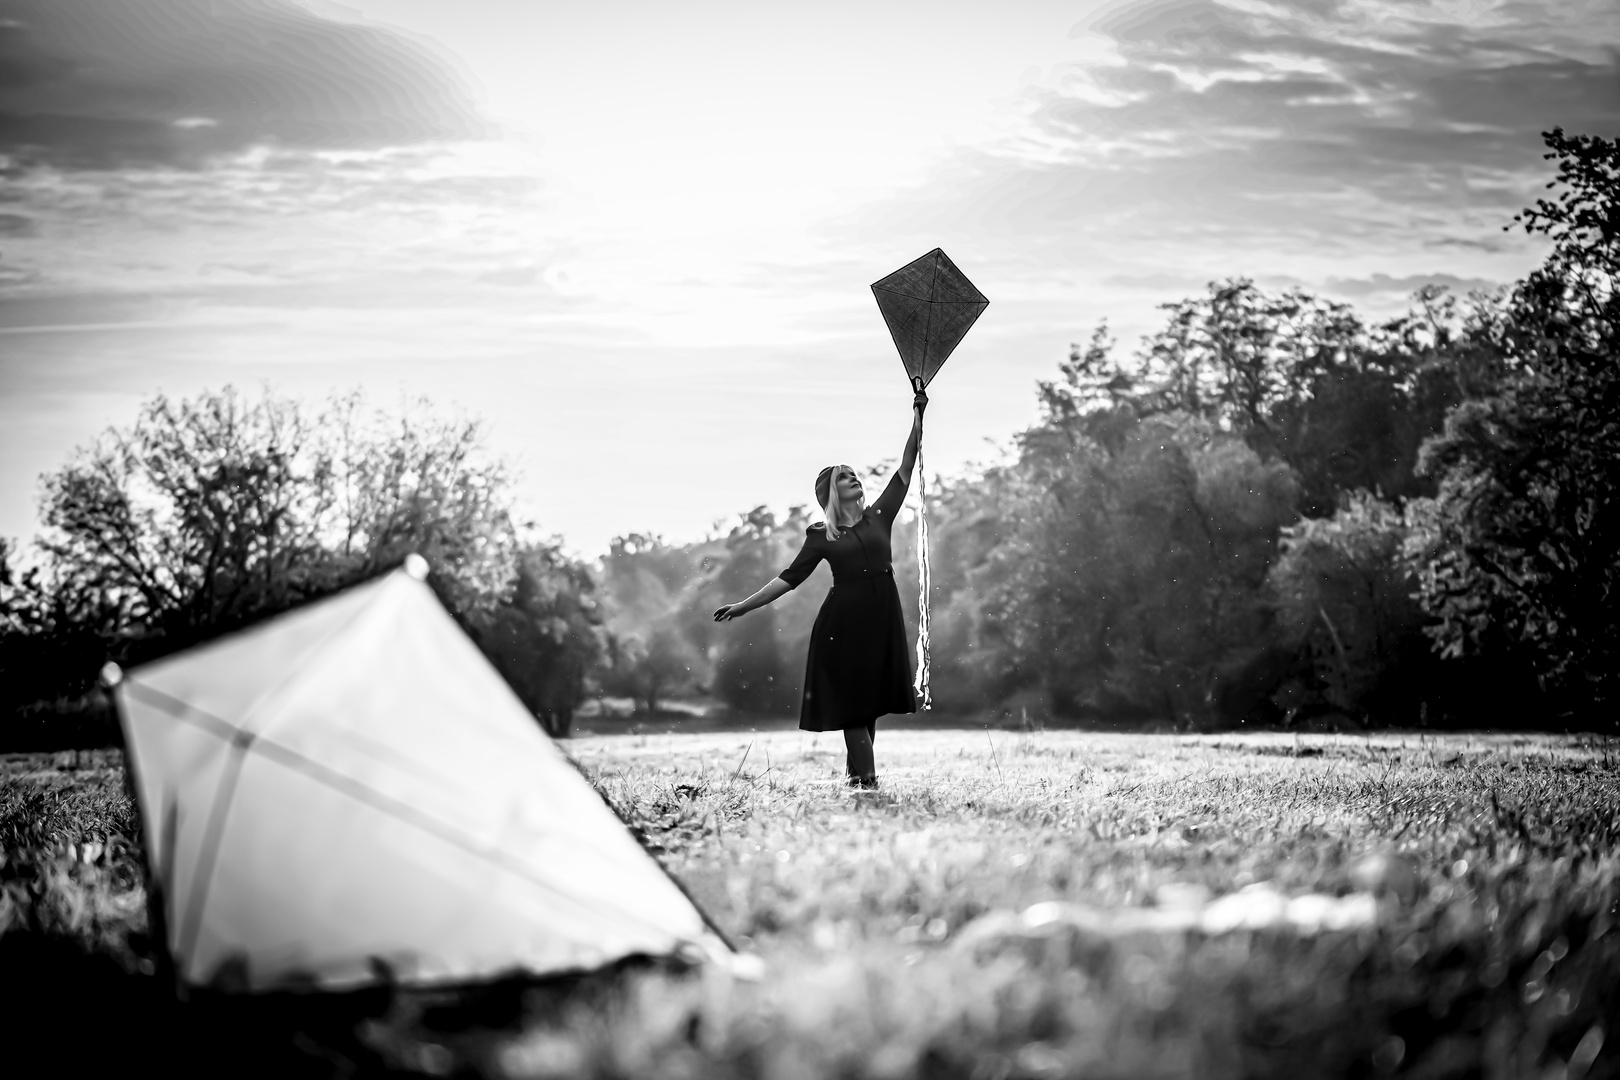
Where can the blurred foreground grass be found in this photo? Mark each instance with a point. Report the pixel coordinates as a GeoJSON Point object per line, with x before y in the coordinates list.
{"type": "Point", "coordinates": [1008, 905]}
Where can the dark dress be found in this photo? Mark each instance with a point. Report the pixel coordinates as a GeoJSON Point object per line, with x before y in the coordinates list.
{"type": "Point", "coordinates": [859, 666]}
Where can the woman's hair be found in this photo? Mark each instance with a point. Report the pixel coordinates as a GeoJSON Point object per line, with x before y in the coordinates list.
{"type": "Point", "coordinates": [827, 496]}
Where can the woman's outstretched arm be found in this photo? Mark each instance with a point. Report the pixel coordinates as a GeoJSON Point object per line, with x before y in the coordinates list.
{"type": "Point", "coordinates": [894, 494]}
{"type": "Point", "coordinates": [908, 457]}
{"type": "Point", "coordinates": [772, 590]}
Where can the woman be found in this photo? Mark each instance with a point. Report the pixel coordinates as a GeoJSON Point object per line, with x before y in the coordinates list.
{"type": "Point", "coordinates": [859, 667]}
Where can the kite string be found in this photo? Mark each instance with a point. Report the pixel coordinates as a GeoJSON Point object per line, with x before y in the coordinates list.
{"type": "Point", "coordinates": [923, 580]}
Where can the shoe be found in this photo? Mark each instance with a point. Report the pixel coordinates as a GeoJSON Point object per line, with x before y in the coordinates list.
{"type": "Point", "coordinates": [864, 783]}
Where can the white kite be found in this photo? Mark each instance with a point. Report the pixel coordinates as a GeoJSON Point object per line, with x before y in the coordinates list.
{"type": "Point", "coordinates": [350, 793]}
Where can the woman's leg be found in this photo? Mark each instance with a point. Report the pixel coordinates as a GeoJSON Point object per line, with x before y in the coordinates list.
{"type": "Point", "coordinates": [859, 760]}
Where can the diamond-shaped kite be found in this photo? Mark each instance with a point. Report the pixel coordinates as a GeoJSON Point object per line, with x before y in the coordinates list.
{"type": "Point", "coordinates": [929, 305]}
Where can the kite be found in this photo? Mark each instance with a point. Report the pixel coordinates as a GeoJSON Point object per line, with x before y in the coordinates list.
{"type": "Point", "coordinates": [349, 793]}
{"type": "Point", "coordinates": [929, 306]}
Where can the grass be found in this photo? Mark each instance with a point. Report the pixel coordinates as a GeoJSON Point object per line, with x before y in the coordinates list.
{"type": "Point", "coordinates": [1018, 905]}
{"type": "Point", "coordinates": [70, 853]}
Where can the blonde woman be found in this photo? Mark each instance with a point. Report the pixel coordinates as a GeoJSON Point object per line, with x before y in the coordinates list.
{"type": "Point", "coordinates": [859, 667]}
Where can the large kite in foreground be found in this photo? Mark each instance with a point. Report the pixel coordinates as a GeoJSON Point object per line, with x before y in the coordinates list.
{"type": "Point", "coordinates": [349, 793]}
{"type": "Point", "coordinates": [929, 305]}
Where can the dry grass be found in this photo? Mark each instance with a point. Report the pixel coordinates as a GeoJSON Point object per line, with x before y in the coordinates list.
{"type": "Point", "coordinates": [891, 930]}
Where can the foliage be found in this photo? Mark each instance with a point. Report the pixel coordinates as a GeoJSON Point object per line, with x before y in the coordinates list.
{"type": "Point", "coordinates": [1300, 379]}
{"type": "Point", "coordinates": [753, 673]}
{"type": "Point", "coordinates": [759, 660]}
{"type": "Point", "coordinates": [649, 667]}
{"type": "Point", "coordinates": [208, 514]}
{"type": "Point", "coordinates": [1519, 552]}
{"type": "Point", "coordinates": [645, 578]}
{"type": "Point", "coordinates": [1239, 356]}
{"type": "Point", "coordinates": [197, 516]}
{"type": "Point", "coordinates": [548, 639]}
{"type": "Point", "coordinates": [426, 483]}
{"type": "Point", "coordinates": [51, 644]}
{"type": "Point", "coordinates": [974, 663]}
{"type": "Point", "coordinates": [660, 598]}
{"type": "Point", "coordinates": [1344, 596]}
{"type": "Point", "coordinates": [1007, 908]}
{"type": "Point", "coordinates": [1156, 488]}
{"type": "Point", "coordinates": [658, 642]}
{"type": "Point", "coordinates": [1512, 535]}
{"type": "Point", "coordinates": [1137, 547]}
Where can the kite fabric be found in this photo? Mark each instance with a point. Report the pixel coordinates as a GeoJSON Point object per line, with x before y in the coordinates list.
{"type": "Point", "coordinates": [349, 793]}
{"type": "Point", "coordinates": [929, 306]}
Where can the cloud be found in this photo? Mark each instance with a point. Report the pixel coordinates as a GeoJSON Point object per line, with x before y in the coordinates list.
{"type": "Point", "coordinates": [1337, 102]}
{"type": "Point", "coordinates": [288, 230]}
{"type": "Point", "coordinates": [109, 83]}
{"type": "Point", "coordinates": [53, 310]}
{"type": "Point", "coordinates": [1284, 138]}
{"type": "Point", "coordinates": [1405, 286]}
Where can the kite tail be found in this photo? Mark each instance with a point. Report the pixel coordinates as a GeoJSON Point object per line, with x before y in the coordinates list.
{"type": "Point", "coordinates": [923, 580]}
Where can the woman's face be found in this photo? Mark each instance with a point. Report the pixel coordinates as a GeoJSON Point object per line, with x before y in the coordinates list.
{"type": "Point", "coordinates": [849, 485]}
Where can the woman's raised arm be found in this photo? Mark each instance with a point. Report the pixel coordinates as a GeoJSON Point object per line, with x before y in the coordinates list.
{"type": "Point", "coordinates": [908, 457]}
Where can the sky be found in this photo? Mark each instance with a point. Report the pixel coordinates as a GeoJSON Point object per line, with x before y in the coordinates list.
{"type": "Point", "coordinates": [637, 238]}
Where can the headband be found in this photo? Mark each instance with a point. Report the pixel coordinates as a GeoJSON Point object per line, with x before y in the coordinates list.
{"type": "Point", "coordinates": [824, 485]}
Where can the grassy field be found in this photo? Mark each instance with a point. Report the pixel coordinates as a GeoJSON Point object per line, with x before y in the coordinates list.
{"type": "Point", "coordinates": [1009, 905]}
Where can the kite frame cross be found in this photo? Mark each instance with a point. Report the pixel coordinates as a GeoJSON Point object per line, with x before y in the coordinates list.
{"type": "Point", "coordinates": [933, 291]}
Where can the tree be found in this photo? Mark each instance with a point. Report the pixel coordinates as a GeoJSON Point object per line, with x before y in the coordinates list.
{"type": "Point", "coordinates": [1135, 559]}
{"type": "Point", "coordinates": [202, 515]}
{"type": "Point", "coordinates": [755, 671]}
{"type": "Point", "coordinates": [548, 639]}
{"type": "Point", "coordinates": [418, 481]}
{"type": "Point", "coordinates": [1518, 553]}
{"type": "Point", "coordinates": [658, 636]}
{"type": "Point", "coordinates": [1344, 597]}
{"type": "Point", "coordinates": [648, 666]}
{"type": "Point", "coordinates": [51, 646]}
{"type": "Point", "coordinates": [1238, 354]}
{"type": "Point", "coordinates": [1298, 378]}
{"type": "Point", "coordinates": [970, 525]}
{"type": "Point", "coordinates": [207, 514]}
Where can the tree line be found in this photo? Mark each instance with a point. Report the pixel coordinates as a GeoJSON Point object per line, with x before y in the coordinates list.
{"type": "Point", "coordinates": [205, 516]}
{"type": "Point", "coordinates": [1270, 509]}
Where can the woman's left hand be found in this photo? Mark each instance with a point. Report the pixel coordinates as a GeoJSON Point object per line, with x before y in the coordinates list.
{"type": "Point", "coordinates": [920, 401]}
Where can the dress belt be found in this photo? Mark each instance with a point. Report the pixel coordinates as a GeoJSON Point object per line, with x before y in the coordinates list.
{"type": "Point", "coordinates": [864, 575]}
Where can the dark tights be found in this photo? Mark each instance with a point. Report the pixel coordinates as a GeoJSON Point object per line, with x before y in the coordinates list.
{"type": "Point", "coordinates": [858, 742]}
